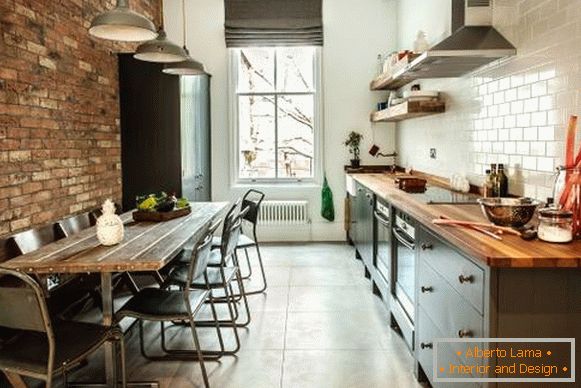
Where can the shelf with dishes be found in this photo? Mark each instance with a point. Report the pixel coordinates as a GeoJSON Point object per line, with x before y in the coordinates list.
{"type": "Point", "coordinates": [415, 103]}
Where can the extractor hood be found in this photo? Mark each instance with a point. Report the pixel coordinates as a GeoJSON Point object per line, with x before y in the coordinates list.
{"type": "Point", "coordinates": [472, 44]}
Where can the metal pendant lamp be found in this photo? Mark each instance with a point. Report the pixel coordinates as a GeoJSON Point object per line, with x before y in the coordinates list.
{"type": "Point", "coordinates": [160, 49]}
{"type": "Point", "coordinates": [122, 24]}
{"type": "Point", "coordinates": [189, 66]}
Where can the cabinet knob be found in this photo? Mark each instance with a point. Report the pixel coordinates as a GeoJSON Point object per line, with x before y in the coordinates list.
{"type": "Point", "coordinates": [425, 289]}
{"type": "Point", "coordinates": [465, 279]}
{"type": "Point", "coordinates": [464, 333]}
{"type": "Point", "coordinates": [426, 345]}
{"type": "Point", "coordinates": [426, 246]}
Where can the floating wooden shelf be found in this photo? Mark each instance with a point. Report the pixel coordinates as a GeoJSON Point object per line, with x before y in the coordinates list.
{"type": "Point", "coordinates": [408, 110]}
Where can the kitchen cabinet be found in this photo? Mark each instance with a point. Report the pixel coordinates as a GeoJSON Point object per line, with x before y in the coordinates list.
{"type": "Point", "coordinates": [363, 225]}
{"type": "Point", "coordinates": [165, 132]}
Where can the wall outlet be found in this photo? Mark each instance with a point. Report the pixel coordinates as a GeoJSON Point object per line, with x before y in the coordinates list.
{"type": "Point", "coordinates": [432, 153]}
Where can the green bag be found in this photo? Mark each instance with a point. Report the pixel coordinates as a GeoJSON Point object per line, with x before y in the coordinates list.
{"type": "Point", "coordinates": [327, 208]}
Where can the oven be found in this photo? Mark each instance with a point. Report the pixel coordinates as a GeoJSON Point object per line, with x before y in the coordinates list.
{"type": "Point", "coordinates": [404, 272]}
{"type": "Point", "coordinates": [382, 220]}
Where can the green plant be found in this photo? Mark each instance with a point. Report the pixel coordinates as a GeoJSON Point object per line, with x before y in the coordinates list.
{"type": "Point", "coordinates": [353, 140]}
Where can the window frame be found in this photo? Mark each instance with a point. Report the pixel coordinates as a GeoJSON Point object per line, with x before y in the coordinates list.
{"type": "Point", "coordinates": [236, 179]}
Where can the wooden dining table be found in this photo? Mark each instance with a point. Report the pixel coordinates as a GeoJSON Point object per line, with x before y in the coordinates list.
{"type": "Point", "coordinates": [146, 246]}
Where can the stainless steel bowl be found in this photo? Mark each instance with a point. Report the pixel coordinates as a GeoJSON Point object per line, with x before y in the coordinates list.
{"type": "Point", "coordinates": [513, 212]}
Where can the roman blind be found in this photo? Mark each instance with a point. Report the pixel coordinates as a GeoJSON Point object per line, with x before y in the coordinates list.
{"type": "Point", "coordinates": [251, 23]}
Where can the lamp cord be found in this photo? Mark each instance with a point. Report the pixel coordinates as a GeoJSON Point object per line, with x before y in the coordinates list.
{"type": "Point", "coordinates": [184, 22]}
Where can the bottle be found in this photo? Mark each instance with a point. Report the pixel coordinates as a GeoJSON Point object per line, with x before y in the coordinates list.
{"type": "Point", "coordinates": [493, 178]}
{"type": "Point", "coordinates": [421, 44]}
{"type": "Point", "coordinates": [379, 64]}
{"type": "Point", "coordinates": [502, 181]}
{"type": "Point", "coordinates": [488, 185]}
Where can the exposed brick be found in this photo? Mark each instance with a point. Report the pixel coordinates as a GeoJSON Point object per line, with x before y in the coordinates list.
{"type": "Point", "coordinates": [59, 111]}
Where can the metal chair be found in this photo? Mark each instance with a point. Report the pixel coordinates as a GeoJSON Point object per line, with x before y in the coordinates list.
{"type": "Point", "coordinates": [43, 348]}
{"type": "Point", "coordinates": [251, 201]}
{"type": "Point", "coordinates": [163, 305]}
{"type": "Point", "coordinates": [73, 225]}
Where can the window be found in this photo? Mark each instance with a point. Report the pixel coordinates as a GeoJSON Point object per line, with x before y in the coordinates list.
{"type": "Point", "coordinates": [276, 113]}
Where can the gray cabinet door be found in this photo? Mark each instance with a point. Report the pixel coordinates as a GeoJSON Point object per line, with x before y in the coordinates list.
{"type": "Point", "coordinates": [195, 137]}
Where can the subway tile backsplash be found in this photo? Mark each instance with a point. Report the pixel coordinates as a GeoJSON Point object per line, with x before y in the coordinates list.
{"type": "Point", "coordinates": [513, 111]}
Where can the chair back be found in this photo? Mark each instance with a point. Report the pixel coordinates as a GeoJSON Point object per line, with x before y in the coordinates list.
{"type": "Point", "coordinates": [229, 217]}
{"type": "Point", "coordinates": [230, 237]}
{"type": "Point", "coordinates": [252, 200]}
{"type": "Point", "coordinates": [31, 240]}
{"type": "Point", "coordinates": [22, 304]}
{"type": "Point", "coordinates": [73, 225]}
{"type": "Point", "coordinates": [201, 255]}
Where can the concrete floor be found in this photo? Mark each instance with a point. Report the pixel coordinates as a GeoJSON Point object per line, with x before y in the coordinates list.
{"type": "Point", "coordinates": [317, 326]}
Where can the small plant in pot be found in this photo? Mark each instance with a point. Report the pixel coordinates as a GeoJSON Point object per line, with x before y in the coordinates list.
{"type": "Point", "coordinates": [352, 142]}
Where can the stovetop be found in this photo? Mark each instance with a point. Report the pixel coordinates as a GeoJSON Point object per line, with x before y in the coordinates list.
{"type": "Point", "coordinates": [438, 195]}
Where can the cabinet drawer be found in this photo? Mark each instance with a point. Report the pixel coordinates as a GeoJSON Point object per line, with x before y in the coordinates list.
{"type": "Point", "coordinates": [451, 314]}
{"type": "Point", "coordinates": [427, 333]}
{"type": "Point", "coordinates": [463, 275]}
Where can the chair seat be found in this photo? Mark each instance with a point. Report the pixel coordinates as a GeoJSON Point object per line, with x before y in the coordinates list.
{"type": "Point", "coordinates": [28, 350]}
{"type": "Point", "coordinates": [243, 242]}
{"type": "Point", "coordinates": [185, 256]}
{"type": "Point", "coordinates": [179, 276]}
{"type": "Point", "coordinates": [153, 304]}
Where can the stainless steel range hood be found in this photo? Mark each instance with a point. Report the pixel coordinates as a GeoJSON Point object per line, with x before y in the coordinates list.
{"type": "Point", "coordinates": [472, 44]}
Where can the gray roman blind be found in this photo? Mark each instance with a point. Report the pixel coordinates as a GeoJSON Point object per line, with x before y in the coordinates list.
{"type": "Point", "coordinates": [273, 23]}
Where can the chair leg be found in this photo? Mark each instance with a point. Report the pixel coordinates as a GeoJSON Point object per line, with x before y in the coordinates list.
{"type": "Point", "coordinates": [249, 265]}
{"type": "Point", "coordinates": [200, 356]}
{"type": "Point", "coordinates": [215, 316]}
{"type": "Point", "coordinates": [123, 365]}
{"type": "Point", "coordinates": [261, 264]}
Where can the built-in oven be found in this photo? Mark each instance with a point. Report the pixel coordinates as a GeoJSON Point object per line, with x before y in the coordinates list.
{"type": "Point", "coordinates": [404, 272]}
{"type": "Point", "coordinates": [382, 219]}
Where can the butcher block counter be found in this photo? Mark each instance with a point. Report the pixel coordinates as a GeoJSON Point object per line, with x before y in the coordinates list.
{"type": "Point", "coordinates": [511, 252]}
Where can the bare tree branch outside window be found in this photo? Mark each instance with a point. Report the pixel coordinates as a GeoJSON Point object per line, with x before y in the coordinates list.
{"type": "Point", "coordinates": [276, 105]}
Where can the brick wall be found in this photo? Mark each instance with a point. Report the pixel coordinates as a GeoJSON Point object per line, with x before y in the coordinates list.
{"type": "Point", "coordinates": [59, 111]}
{"type": "Point", "coordinates": [513, 111]}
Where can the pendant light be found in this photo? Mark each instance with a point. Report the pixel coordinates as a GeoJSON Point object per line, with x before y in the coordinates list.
{"type": "Point", "coordinates": [122, 24]}
{"type": "Point", "coordinates": [160, 49]}
{"type": "Point", "coordinates": [189, 66]}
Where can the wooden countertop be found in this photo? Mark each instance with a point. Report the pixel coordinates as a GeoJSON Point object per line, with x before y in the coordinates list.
{"type": "Point", "coordinates": [512, 252]}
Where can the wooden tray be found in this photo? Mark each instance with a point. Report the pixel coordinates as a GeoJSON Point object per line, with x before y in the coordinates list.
{"type": "Point", "coordinates": [140, 215]}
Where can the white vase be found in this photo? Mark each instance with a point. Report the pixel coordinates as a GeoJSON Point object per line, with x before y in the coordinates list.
{"type": "Point", "coordinates": [110, 228]}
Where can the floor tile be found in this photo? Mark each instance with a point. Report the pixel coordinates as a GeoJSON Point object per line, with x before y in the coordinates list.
{"type": "Point", "coordinates": [331, 298]}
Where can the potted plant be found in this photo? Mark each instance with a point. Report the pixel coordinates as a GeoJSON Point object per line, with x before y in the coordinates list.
{"type": "Point", "coordinates": [352, 142]}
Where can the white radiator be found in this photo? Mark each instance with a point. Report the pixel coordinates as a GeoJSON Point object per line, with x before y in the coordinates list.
{"type": "Point", "coordinates": [283, 213]}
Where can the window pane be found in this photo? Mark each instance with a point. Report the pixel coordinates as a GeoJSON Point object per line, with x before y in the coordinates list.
{"type": "Point", "coordinates": [256, 136]}
{"type": "Point", "coordinates": [295, 136]}
{"type": "Point", "coordinates": [256, 70]}
{"type": "Point", "coordinates": [295, 69]}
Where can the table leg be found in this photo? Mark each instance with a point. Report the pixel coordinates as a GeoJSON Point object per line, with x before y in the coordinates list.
{"type": "Point", "coordinates": [108, 311]}
{"type": "Point", "coordinates": [15, 380]}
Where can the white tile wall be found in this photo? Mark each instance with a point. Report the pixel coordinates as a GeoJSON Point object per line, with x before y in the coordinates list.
{"type": "Point", "coordinates": [514, 110]}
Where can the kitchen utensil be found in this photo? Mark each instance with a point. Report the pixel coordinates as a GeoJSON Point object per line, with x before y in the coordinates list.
{"type": "Point", "coordinates": [513, 212]}
{"type": "Point", "coordinates": [477, 228]}
{"type": "Point", "coordinates": [498, 229]}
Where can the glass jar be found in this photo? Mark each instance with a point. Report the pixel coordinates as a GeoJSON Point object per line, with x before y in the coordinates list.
{"type": "Point", "coordinates": [555, 225]}
{"type": "Point", "coordinates": [562, 176]}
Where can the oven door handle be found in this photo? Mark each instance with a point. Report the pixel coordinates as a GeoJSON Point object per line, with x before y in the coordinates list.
{"type": "Point", "coordinates": [400, 237]}
{"type": "Point", "coordinates": [381, 219]}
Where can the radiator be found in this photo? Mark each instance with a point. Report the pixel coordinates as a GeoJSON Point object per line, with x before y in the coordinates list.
{"type": "Point", "coordinates": [284, 213]}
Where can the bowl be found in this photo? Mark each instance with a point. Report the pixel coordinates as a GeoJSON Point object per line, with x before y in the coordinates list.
{"type": "Point", "coordinates": [512, 212]}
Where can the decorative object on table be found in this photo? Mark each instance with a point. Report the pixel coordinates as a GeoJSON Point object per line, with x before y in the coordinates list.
{"type": "Point", "coordinates": [567, 189]}
{"type": "Point", "coordinates": [555, 225]}
{"type": "Point", "coordinates": [411, 184]}
{"type": "Point", "coordinates": [327, 207]}
{"type": "Point", "coordinates": [352, 142]}
{"type": "Point", "coordinates": [160, 207]}
{"type": "Point", "coordinates": [513, 212]}
{"type": "Point", "coordinates": [110, 229]}
{"type": "Point", "coordinates": [421, 43]}
{"type": "Point", "coordinates": [122, 24]}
